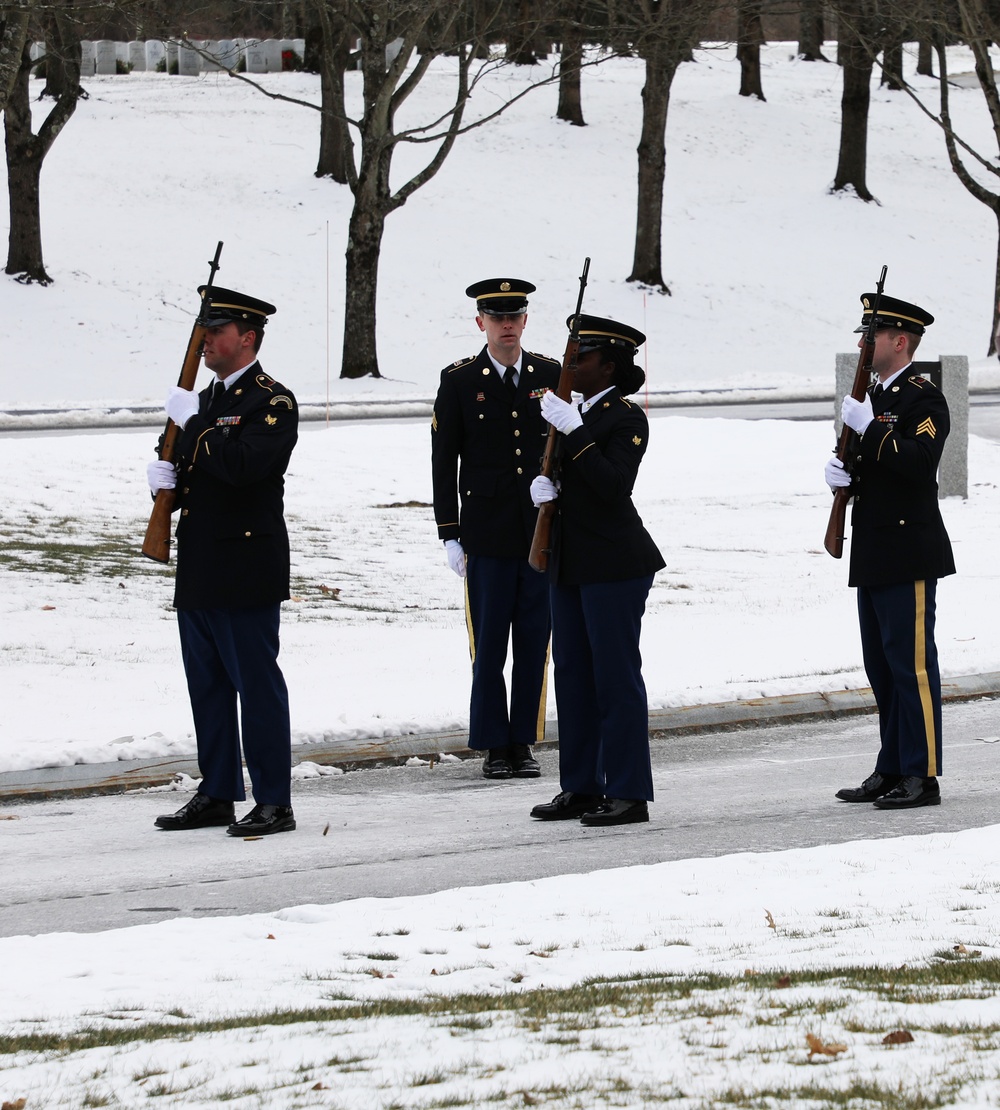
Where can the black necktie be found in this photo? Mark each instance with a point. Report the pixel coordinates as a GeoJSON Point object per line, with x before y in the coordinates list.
{"type": "Point", "coordinates": [877, 391]}
{"type": "Point", "coordinates": [508, 381]}
{"type": "Point", "coordinates": [217, 391]}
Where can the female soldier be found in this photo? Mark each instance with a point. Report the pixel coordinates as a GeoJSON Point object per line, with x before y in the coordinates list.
{"type": "Point", "coordinates": [602, 568]}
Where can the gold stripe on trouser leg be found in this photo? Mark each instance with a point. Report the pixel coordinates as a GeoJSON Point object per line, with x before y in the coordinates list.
{"type": "Point", "coordinates": [468, 622]}
{"type": "Point", "coordinates": [920, 669]}
{"type": "Point", "coordinates": [540, 720]}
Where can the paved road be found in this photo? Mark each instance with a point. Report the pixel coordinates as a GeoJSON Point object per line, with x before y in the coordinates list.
{"type": "Point", "coordinates": [98, 863]}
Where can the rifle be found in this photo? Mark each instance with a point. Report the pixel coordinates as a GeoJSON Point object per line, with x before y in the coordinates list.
{"type": "Point", "coordinates": [156, 544]}
{"type": "Point", "coordinates": [541, 541]}
{"type": "Point", "coordinates": [848, 443]}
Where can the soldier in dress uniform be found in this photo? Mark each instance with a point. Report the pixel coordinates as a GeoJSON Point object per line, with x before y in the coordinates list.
{"type": "Point", "coordinates": [602, 567]}
{"type": "Point", "coordinates": [487, 436]}
{"type": "Point", "coordinates": [899, 549]}
{"type": "Point", "coordinates": [233, 570]}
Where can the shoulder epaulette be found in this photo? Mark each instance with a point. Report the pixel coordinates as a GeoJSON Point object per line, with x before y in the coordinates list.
{"type": "Point", "coordinates": [265, 382]}
{"type": "Point", "coordinates": [920, 381]}
{"type": "Point", "coordinates": [538, 354]}
{"type": "Point", "coordinates": [460, 362]}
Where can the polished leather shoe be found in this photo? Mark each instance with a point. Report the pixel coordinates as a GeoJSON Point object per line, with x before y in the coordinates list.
{"type": "Point", "coordinates": [496, 764]}
{"type": "Point", "coordinates": [201, 812]}
{"type": "Point", "coordinates": [873, 787]}
{"type": "Point", "coordinates": [911, 792]}
{"type": "Point", "coordinates": [566, 806]}
{"type": "Point", "coordinates": [523, 763]}
{"type": "Point", "coordinates": [617, 811]}
{"type": "Point", "coordinates": [262, 820]}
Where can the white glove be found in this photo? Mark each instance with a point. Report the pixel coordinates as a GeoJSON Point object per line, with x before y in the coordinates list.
{"type": "Point", "coordinates": [857, 414]}
{"type": "Point", "coordinates": [160, 475]}
{"type": "Point", "coordinates": [181, 405]}
{"type": "Point", "coordinates": [456, 557]}
{"type": "Point", "coordinates": [563, 416]}
{"type": "Point", "coordinates": [543, 489]}
{"type": "Point", "coordinates": [835, 474]}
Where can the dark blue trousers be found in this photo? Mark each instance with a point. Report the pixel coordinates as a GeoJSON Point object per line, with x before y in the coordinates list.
{"type": "Point", "coordinates": [897, 641]}
{"type": "Point", "coordinates": [506, 601]}
{"type": "Point", "coordinates": [600, 694]}
{"type": "Point", "coordinates": [232, 654]}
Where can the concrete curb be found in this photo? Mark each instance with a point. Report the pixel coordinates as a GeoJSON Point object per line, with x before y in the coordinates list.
{"type": "Point", "coordinates": [87, 779]}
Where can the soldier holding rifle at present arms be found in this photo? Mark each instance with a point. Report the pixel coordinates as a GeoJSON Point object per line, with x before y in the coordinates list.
{"type": "Point", "coordinates": [233, 570]}
{"type": "Point", "coordinates": [602, 566]}
{"type": "Point", "coordinates": [899, 549]}
{"type": "Point", "coordinates": [487, 435]}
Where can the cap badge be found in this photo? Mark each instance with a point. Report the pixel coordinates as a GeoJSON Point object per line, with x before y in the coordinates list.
{"type": "Point", "coordinates": [504, 286]}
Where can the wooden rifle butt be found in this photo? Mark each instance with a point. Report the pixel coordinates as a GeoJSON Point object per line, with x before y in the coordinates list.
{"type": "Point", "coordinates": [836, 526]}
{"type": "Point", "coordinates": [541, 541]}
{"type": "Point", "coordinates": [156, 544]}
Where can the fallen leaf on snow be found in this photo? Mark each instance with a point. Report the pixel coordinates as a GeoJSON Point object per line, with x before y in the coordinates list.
{"type": "Point", "coordinates": [899, 1036]}
{"type": "Point", "coordinates": [818, 1048]}
{"type": "Point", "coordinates": [783, 981]}
{"type": "Point", "coordinates": [770, 920]}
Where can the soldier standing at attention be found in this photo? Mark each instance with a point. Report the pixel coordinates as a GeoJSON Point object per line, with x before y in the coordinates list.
{"type": "Point", "coordinates": [487, 435]}
{"type": "Point", "coordinates": [603, 563]}
{"type": "Point", "coordinates": [899, 549]}
{"type": "Point", "coordinates": [233, 571]}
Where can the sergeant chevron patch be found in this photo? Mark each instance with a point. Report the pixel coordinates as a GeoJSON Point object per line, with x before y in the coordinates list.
{"type": "Point", "coordinates": [926, 427]}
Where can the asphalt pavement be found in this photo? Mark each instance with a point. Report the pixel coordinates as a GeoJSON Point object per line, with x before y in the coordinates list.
{"type": "Point", "coordinates": [95, 862]}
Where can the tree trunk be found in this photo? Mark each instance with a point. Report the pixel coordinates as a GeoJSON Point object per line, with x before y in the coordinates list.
{"type": "Point", "coordinates": [856, 64]}
{"type": "Point", "coordinates": [892, 66]}
{"type": "Point", "coordinates": [13, 36]}
{"type": "Point", "coordinates": [364, 242]}
{"type": "Point", "coordinates": [24, 169]}
{"type": "Point", "coordinates": [335, 149]}
{"type": "Point", "coordinates": [925, 58]}
{"type": "Point", "coordinates": [749, 37]}
{"type": "Point", "coordinates": [521, 45]}
{"type": "Point", "coordinates": [570, 106]}
{"type": "Point", "coordinates": [996, 287]}
{"type": "Point", "coordinates": [811, 31]}
{"type": "Point", "coordinates": [647, 266]}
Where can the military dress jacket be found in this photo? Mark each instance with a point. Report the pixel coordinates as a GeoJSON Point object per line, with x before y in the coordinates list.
{"type": "Point", "coordinates": [897, 534]}
{"type": "Point", "coordinates": [488, 450]}
{"type": "Point", "coordinates": [599, 535]}
{"type": "Point", "coordinates": [232, 544]}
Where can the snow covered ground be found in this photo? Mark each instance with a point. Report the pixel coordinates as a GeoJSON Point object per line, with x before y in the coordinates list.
{"type": "Point", "coordinates": [765, 269]}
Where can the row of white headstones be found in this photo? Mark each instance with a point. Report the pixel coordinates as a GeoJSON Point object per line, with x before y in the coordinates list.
{"type": "Point", "coordinates": [103, 56]}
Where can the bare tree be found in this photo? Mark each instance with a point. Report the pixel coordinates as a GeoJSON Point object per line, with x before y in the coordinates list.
{"type": "Point", "coordinates": [570, 106]}
{"type": "Point", "coordinates": [811, 31]}
{"type": "Point", "coordinates": [665, 33]}
{"type": "Point", "coordinates": [26, 150]}
{"type": "Point", "coordinates": [749, 39]}
{"type": "Point", "coordinates": [856, 27]}
{"type": "Point", "coordinates": [15, 19]}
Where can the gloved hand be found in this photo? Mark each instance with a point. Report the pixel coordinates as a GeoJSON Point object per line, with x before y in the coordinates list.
{"type": "Point", "coordinates": [563, 416]}
{"type": "Point", "coordinates": [857, 414]}
{"type": "Point", "coordinates": [160, 475]}
{"type": "Point", "coordinates": [835, 474]}
{"type": "Point", "coordinates": [543, 489]}
{"type": "Point", "coordinates": [181, 405]}
{"type": "Point", "coordinates": [456, 557]}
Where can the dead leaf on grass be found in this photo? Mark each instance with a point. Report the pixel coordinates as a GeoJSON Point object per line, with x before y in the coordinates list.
{"type": "Point", "coordinates": [820, 1048]}
{"type": "Point", "coordinates": [899, 1036]}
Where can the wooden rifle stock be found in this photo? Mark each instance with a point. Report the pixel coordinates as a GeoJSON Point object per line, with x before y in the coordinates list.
{"type": "Point", "coordinates": [156, 544]}
{"type": "Point", "coordinates": [836, 527]}
{"type": "Point", "coordinates": [541, 541]}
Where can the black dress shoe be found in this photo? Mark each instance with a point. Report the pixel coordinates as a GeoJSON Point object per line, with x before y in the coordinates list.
{"type": "Point", "coordinates": [911, 792]}
{"type": "Point", "coordinates": [496, 764]}
{"type": "Point", "coordinates": [617, 811]}
{"type": "Point", "coordinates": [201, 812]}
{"type": "Point", "coordinates": [262, 820]}
{"type": "Point", "coordinates": [523, 763]}
{"type": "Point", "coordinates": [873, 787]}
{"type": "Point", "coordinates": [566, 806]}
